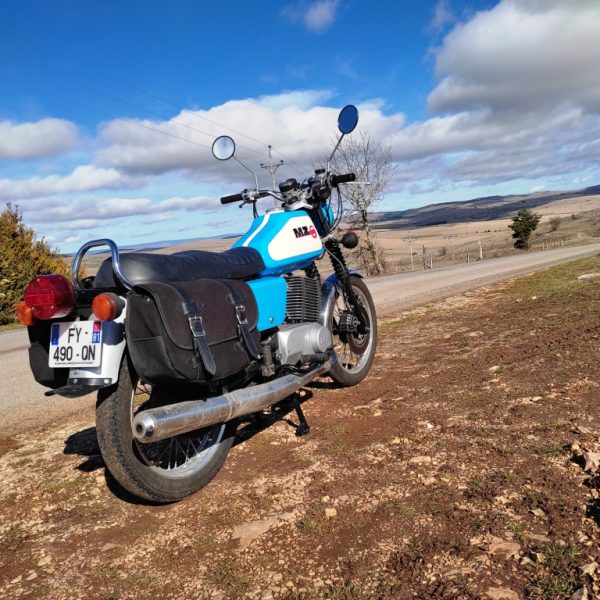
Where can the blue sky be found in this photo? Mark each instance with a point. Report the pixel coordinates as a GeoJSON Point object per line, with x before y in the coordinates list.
{"type": "Point", "coordinates": [108, 109]}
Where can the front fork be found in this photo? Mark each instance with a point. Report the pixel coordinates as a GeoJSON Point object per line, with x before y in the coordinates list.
{"type": "Point", "coordinates": [343, 276]}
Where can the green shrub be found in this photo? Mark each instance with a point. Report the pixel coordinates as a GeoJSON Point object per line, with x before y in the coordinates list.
{"type": "Point", "coordinates": [22, 257]}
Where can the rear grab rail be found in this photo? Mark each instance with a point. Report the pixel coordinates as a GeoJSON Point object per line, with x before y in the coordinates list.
{"type": "Point", "coordinates": [116, 261]}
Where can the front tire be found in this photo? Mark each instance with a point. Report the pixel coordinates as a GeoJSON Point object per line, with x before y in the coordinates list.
{"type": "Point", "coordinates": [163, 471]}
{"type": "Point", "coordinates": [355, 353]}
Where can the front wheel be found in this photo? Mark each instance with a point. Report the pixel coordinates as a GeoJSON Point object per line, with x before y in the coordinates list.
{"type": "Point", "coordinates": [354, 351]}
{"type": "Point", "coordinates": [163, 471]}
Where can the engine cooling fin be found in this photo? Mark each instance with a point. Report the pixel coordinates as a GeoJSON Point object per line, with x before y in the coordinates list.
{"type": "Point", "coordinates": [303, 304]}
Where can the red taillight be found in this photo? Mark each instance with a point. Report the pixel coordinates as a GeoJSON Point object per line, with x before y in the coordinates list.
{"type": "Point", "coordinates": [50, 296]}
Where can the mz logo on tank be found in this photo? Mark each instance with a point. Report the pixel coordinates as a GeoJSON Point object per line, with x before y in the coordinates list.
{"type": "Point", "coordinates": [304, 231]}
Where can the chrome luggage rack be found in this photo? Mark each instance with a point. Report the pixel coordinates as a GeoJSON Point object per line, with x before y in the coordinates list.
{"type": "Point", "coordinates": [116, 262]}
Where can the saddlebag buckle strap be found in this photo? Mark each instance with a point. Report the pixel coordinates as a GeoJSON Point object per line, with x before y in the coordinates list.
{"type": "Point", "coordinates": [191, 310]}
{"type": "Point", "coordinates": [240, 313]}
{"type": "Point", "coordinates": [200, 345]}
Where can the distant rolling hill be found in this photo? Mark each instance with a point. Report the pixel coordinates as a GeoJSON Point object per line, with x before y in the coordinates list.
{"type": "Point", "coordinates": [477, 209]}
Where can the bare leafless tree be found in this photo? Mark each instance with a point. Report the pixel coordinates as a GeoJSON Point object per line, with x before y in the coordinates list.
{"type": "Point", "coordinates": [372, 163]}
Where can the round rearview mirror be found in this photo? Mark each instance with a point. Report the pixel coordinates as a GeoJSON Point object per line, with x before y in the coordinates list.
{"type": "Point", "coordinates": [223, 148]}
{"type": "Point", "coordinates": [348, 118]}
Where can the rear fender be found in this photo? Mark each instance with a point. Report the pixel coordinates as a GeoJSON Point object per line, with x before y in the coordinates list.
{"type": "Point", "coordinates": [113, 347]}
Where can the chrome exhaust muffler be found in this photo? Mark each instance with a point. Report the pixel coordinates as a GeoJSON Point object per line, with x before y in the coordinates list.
{"type": "Point", "coordinates": [163, 422]}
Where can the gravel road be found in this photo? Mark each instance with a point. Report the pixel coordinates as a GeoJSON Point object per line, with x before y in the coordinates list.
{"type": "Point", "coordinates": [24, 406]}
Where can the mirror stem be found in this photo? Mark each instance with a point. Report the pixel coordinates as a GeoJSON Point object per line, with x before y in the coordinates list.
{"type": "Point", "coordinates": [334, 150]}
{"type": "Point", "coordinates": [247, 169]}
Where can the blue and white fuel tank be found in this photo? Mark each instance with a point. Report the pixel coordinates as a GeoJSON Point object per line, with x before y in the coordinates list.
{"type": "Point", "coordinates": [286, 240]}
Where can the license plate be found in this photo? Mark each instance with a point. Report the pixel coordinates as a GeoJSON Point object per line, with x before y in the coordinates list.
{"type": "Point", "coordinates": [76, 344]}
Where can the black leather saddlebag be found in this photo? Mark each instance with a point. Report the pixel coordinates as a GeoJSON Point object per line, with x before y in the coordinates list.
{"type": "Point", "coordinates": [195, 331]}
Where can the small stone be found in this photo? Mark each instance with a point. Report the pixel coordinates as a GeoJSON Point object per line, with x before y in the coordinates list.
{"type": "Point", "coordinates": [509, 549]}
{"type": "Point", "coordinates": [278, 577]}
{"type": "Point", "coordinates": [592, 461]}
{"type": "Point", "coordinates": [108, 546]}
{"type": "Point", "coordinates": [429, 481]}
{"type": "Point", "coordinates": [330, 513]}
{"type": "Point", "coordinates": [325, 499]}
{"type": "Point", "coordinates": [17, 579]}
{"type": "Point", "coordinates": [502, 594]}
{"type": "Point", "coordinates": [589, 569]}
{"type": "Point", "coordinates": [377, 413]}
{"type": "Point", "coordinates": [46, 560]}
{"type": "Point", "coordinates": [494, 369]}
{"type": "Point", "coordinates": [581, 537]}
{"type": "Point", "coordinates": [289, 584]}
{"type": "Point", "coordinates": [395, 441]}
{"type": "Point", "coordinates": [420, 460]}
{"type": "Point", "coordinates": [33, 575]}
{"type": "Point", "coordinates": [536, 398]}
{"type": "Point", "coordinates": [580, 594]}
{"type": "Point", "coordinates": [538, 512]}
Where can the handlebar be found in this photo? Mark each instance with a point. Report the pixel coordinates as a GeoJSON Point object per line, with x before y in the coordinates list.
{"type": "Point", "coordinates": [232, 198]}
{"type": "Point", "coordinates": [249, 196]}
{"type": "Point", "coordinates": [345, 178]}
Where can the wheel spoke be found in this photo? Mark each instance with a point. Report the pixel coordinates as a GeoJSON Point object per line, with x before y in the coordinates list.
{"type": "Point", "coordinates": [177, 455]}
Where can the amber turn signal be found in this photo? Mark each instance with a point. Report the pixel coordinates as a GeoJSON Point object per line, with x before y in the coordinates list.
{"type": "Point", "coordinates": [25, 314]}
{"type": "Point", "coordinates": [107, 306]}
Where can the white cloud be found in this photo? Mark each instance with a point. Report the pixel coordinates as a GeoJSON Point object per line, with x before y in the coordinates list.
{"type": "Point", "coordinates": [442, 16]}
{"type": "Point", "coordinates": [83, 178]}
{"type": "Point", "coordinates": [321, 15]}
{"type": "Point", "coordinates": [295, 123]}
{"type": "Point", "coordinates": [46, 137]}
{"type": "Point", "coordinates": [316, 16]}
{"type": "Point", "coordinates": [518, 97]}
{"type": "Point", "coordinates": [521, 55]}
{"type": "Point", "coordinates": [90, 212]}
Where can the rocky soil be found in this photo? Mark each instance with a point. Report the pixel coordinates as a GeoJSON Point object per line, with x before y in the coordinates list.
{"type": "Point", "coordinates": [466, 466]}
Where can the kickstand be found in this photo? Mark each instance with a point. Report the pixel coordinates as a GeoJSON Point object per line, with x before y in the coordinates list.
{"type": "Point", "coordinates": [303, 428]}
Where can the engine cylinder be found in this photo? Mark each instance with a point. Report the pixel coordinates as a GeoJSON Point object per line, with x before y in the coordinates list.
{"type": "Point", "coordinates": [303, 304]}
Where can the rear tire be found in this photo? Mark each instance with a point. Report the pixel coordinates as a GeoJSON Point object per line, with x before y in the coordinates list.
{"type": "Point", "coordinates": [355, 353]}
{"type": "Point", "coordinates": [164, 471]}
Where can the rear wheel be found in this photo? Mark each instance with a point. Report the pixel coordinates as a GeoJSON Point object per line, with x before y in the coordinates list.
{"type": "Point", "coordinates": [163, 471]}
{"type": "Point", "coordinates": [354, 351]}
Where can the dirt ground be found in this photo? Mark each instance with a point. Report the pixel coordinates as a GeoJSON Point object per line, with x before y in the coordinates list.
{"type": "Point", "coordinates": [465, 466]}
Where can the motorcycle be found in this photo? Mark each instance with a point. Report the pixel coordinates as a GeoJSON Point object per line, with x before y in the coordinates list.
{"type": "Point", "coordinates": [181, 347]}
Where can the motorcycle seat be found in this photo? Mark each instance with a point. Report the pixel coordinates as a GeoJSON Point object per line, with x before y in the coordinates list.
{"type": "Point", "coordinates": [144, 267]}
